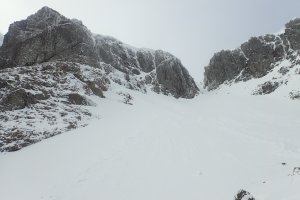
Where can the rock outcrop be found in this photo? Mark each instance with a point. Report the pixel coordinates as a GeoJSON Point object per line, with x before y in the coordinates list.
{"type": "Point", "coordinates": [267, 88]}
{"type": "Point", "coordinates": [1, 39]}
{"type": "Point", "coordinates": [38, 102]}
{"type": "Point", "coordinates": [17, 99]}
{"type": "Point", "coordinates": [48, 36]}
{"type": "Point", "coordinates": [52, 68]}
{"type": "Point", "coordinates": [243, 195]}
{"type": "Point", "coordinates": [255, 58]}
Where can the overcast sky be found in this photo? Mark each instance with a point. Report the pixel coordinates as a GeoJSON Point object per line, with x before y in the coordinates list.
{"type": "Point", "coordinates": [192, 30]}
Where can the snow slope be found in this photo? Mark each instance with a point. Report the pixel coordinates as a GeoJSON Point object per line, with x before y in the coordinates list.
{"type": "Point", "coordinates": [165, 148]}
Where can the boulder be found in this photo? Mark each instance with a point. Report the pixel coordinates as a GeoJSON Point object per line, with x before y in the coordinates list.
{"type": "Point", "coordinates": [266, 88]}
{"type": "Point", "coordinates": [95, 89]}
{"type": "Point", "coordinates": [78, 99]}
{"type": "Point", "coordinates": [17, 99]}
{"type": "Point", "coordinates": [243, 195]}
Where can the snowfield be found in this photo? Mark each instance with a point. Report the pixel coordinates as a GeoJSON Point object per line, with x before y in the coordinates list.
{"type": "Point", "coordinates": [164, 148]}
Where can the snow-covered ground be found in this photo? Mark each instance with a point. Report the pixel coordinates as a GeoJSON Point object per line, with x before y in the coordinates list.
{"type": "Point", "coordinates": [165, 148]}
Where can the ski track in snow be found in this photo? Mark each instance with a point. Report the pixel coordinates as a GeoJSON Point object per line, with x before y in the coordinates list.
{"type": "Point", "coordinates": [164, 148]}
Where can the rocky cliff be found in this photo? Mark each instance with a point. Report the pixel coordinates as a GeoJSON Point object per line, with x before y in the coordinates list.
{"type": "Point", "coordinates": [52, 67]}
{"type": "Point", "coordinates": [1, 39]}
{"type": "Point", "coordinates": [254, 59]}
{"type": "Point", "coordinates": [49, 36]}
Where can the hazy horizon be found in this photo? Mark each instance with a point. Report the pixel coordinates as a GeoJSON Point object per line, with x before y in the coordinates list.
{"type": "Point", "coordinates": [191, 30]}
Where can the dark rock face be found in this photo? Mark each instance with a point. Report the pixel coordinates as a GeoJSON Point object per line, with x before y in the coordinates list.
{"type": "Point", "coordinates": [1, 39]}
{"type": "Point", "coordinates": [46, 36]}
{"type": "Point", "coordinates": [146, 60]}
{"type": "Point", "coordinates": [243, 195]}
{"type": "Point", "coordinates": [292, 33]}
{"type": "Point", "coordinates": [158, 63]}
{"type": "Point", "coordinates": [95, 88]}
{"type": "Point", "coordinates": [175, 78]}
{"type": "Point", "coordinates": [254, 59]}
{"type": "Point", "coordinates": [18, 99]}
{"type": "Point", "coordinates": [78, 99]}
{"type": "Point", "coordinates": [259, 57]}
{"type": "Point", "coordinates": [220, 72]}
{"type": "Point", "coordinates": [49, 36]}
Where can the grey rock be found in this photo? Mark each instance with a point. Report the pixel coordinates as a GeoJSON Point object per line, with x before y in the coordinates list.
{"type": "Point", "coordinates": [41, 96]}
{"type": "Point", "coordinates": [259, 55]}
{"type": "Point", "coordinates": [49, 36]}
{"type": "Point", "coordinates": [1, 39]}
{"type": "Point", "coordinates": [292, 33]}
{"type": "Point", "coordinates": [14, 136]}
{"type": "Point", "coordinates": [243, 195]}
{"type": "Point", "coordinates": [146, 60]}
{"type": "Point", "coordinates": [224, 65]}
{"type": "Point", "coordinates": [175, 79]}
{"type": "Point", "coordinates": [3, 84]}
{"type": "Point", "coordinates": [148, 79]}
{"type": "Point", "coordinates": [296, 171]}
{"type": "Point", "coordinates": [136, 71]}
{"type": "Point", "coordinates": [95, 89]}
{"type": "Point", "coordinates": [267, 88]}
{"type": "Point", "coordinates": [254, 58]}
{"type": "Point", "coordinates": [78, 99]}
{"type": "Point", "coordinates": [295, 95]}
{"type": "Point", "coordinates": [41, 67]}
{"type": "Point", "coordinates": [17, 99]}
{"type": "Point", "coordinates": [46, 36]}
{"type": "Point", "coordinates": [115, 53]}
{"type": "Point", "coordinates": [128, 59]}
{"type": "Point", "coordinates": [283, 70]}
{"type": "Point", "coordinates": [127, 98]}
{"type": "Point", "coordinates": [42, 89]}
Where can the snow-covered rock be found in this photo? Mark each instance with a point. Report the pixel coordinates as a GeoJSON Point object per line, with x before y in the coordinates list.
{"type": "Point", "coordinates": [283, 81]}
{"type": "Point", "coordinates": [49, 36]}
{"type": "Point", "coordinates": [51, 67]}
{"type": "Point", "coordinates": [1, 39]}
{"type": "Point", "coordinates": [243, 195]}
{"type": "Point", "coordinates": [37, 102]}
{"type": "Point", "coordinates": [257, 58]}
